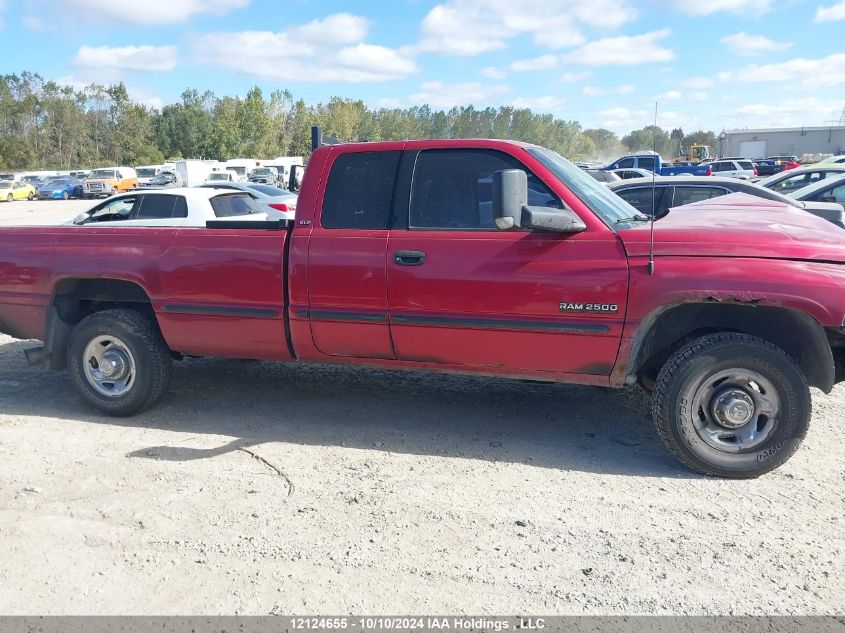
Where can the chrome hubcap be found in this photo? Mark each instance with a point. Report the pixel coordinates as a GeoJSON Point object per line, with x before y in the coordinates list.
{"type": "Point", "coordinates": [735, 410]}
{"type": "Point", "coordinates": [109, 366]}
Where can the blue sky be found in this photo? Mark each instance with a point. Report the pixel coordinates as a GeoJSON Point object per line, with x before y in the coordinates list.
{"type": "Point", "coordinates": [710, 64]}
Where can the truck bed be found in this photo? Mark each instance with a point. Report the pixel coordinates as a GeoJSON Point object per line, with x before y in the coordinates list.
{"type": "Point", "coordinates": [214, 291]}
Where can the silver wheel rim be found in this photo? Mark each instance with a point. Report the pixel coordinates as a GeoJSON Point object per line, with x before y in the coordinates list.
{"type": "Point", "coordinates": [735, 410]}
{"type": "Point", "coordinates": [109, 366]}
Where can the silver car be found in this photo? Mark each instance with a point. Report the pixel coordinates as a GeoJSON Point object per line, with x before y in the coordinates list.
{"type": "Point", "coordinates": [794, 179]}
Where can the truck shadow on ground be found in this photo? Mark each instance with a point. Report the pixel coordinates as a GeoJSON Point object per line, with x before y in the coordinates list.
{"type": "Point", "coordinates": [565, 427]}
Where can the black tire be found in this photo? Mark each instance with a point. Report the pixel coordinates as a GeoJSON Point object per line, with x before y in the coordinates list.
{"type": "Point", "coordinates": [30, 196]}
{"type": "Point", "coordinates": [65, 195]}
{"type": "Point", "coordinates": [151, 357]}
{"type": "Point", "coordinates": [10, 198]}
{"type": "Point", "coordinates": [676, 413]}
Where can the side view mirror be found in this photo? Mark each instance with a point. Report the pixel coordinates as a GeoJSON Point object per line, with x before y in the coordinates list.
{"type": "Point", "coordinates": [82, 218]}
{"type": "Point", "coordinates": [511, 209]}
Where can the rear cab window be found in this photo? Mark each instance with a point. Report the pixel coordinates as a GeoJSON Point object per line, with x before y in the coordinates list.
{"type": "Point", "coordinates": [359, 191]}
{"type": "Point", "coordinates": [744, 164]}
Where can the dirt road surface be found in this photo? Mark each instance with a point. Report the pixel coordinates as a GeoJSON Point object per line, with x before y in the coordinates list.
{"type": "Point", "coordinates": [257, 488]}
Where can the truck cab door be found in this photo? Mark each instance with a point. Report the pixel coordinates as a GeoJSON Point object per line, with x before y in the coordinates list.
{"type": "Point", "coordinates": [463, 293]}
{"type": "Point", "coordinates": [347, 257]}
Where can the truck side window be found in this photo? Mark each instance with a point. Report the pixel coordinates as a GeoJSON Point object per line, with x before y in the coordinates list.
{"type": "Point", "coordinates": [626, 163]}
{"type": "Point", "coordinates": [359, 191]}
{"type": "Point", "coordinates": [453, 188]}
{"type": "Point", "coordinates": [646, 162]}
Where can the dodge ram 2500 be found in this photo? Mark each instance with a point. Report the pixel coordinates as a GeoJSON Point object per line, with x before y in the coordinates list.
{"type": "Point", "coordinates": [474, 256]}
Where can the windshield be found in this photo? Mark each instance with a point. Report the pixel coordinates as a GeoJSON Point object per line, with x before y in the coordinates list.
{"type": "Point", "coordinates": [603, 202]}
{"type": "Point", "coordinates": [240, 171]}
{"type": "Point", "coordinates": [218, 176]}
{"type": "Point", "coordinates": [102, 173]}
{"type": "Point", "coordinates": [146, 172]}
{"type": "Point", "coordinates": [5, 184]}
{"type": "Point", "coordinates": [164, 178]}
{"type": "Point", "coordinates": [262, 171]}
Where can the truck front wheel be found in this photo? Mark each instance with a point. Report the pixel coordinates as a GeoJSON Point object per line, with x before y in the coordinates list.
{"type": "Point", "coordinates": [119, 362]}
{"type": "Point", "coordinates": [731, 405]}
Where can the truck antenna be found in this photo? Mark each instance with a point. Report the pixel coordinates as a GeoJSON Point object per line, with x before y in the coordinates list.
{"type": "Point", "coordinates": [653, 196]}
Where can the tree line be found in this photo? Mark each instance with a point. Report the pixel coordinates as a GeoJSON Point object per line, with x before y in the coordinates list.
{"type": "Point", "coordinates": [45, 125]}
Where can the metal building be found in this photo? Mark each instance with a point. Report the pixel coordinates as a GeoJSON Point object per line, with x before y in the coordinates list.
{"type": "Point", "coordinates": [798, 141]}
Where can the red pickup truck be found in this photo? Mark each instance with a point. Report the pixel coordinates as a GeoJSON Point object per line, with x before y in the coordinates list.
{"type": "Point", "coordinates": [477, 256]}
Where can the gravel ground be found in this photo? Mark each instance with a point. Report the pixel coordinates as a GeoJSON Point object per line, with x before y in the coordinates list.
{"type": "Point", "coordinates": [257, 488]}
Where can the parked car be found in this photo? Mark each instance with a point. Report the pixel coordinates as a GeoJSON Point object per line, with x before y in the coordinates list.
{"type": "Point", "coordinates": [163, 180]}
{"type": "Point", "coordinates": [652, 162]}
{"type": "Point", "coordinates": [603, 176]}
{"type": "Point", "coordinates": [677, 191]}
{"type": "Point", "coordinates": [829, 190]}
{"type": "Point", "coordinates": [60, 189]}
{"type": "Point", "coordinates": [274, 199]}
{"type": "Point", "coordinates": [109, 181]}
{"type": "Point", "coordinates": [186, 206]}
{"type": "Point", "coordinates": [633, 172]}
{"type": "Point", "coordinates": [795, 179]}
{"type": "Point", "coordinates": [264, 175]}
{"type": "Point", "coordinates": [733, 168]}
{"type": "Point", "coordinates": [11, 190]}
{"type": "Point", "coordinates": [834, 159]}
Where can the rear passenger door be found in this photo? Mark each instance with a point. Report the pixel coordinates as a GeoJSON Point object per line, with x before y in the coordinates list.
{"type": "Point", "coordinates": [347, 257]}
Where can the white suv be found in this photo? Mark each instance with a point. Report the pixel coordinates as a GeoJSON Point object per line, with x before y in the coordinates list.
{"type": "Point", "coordinates": [733, 168]}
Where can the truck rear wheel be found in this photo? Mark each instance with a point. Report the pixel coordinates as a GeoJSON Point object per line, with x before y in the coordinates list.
{"type": "Point", "coordinates": [731, 405]}
{"type": "Point", "coordinates": [119, 362]}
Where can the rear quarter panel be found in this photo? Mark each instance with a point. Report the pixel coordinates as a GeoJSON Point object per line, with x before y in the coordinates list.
{"type": "Point", "coordinates": [214, 292]}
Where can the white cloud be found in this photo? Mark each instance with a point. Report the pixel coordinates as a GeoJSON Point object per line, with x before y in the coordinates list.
{"type": "Point", "coordinates": [543, 62]}
{"type": "Point", "coordinates": [672, 95]}
{"type": "Point", "coordinates": [150, 12]}
{"type": "Point", "coordinates": [831, 13]}
{"type": "Point", "coordinates": [698, 83]}
{"type": "Point", "coordinates": [542, 104]}
{"type": "Point", "coordinates": [746, 44]}
{"type": "Point", "coordinates": [491, 72]}
{"type": "Point", "coordinates": [472, 27]}
{"type": "Point", "coordinates": [738, 7]}
{"type": "Point", "coordinates": [624, 50]}
{"type": "Point", "coordinates": [327, 50]}
{"type": "Point", "coordinates": [595, 91]}
{"type": "Point", "coordinates": [824, 72]}
{"type": "Point", "coordinates": [139, 58]}
{"type": "Point", "coordinates": [32, 22]}
{"type": "Point", "coordinates": [574, 78]}
{"type": "Point", "coordinates": [698, 96]}
{"type": "Point", "coordinates": [444, 96]}
{"type": "Point", "coordinates": [339, 28]}
{"type": "Point", "coordinates": [786, 113]}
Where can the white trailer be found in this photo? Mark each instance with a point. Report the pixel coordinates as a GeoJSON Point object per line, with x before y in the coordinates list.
{"type": "Point", "coordinates": [283, 165]}
{"type": "Point", "coordinates": [194, 172]}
